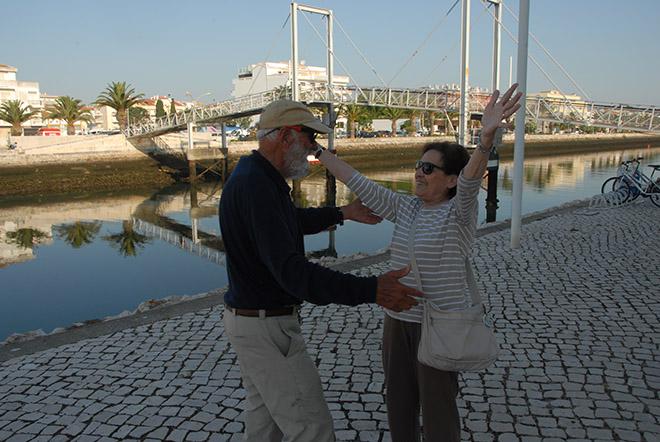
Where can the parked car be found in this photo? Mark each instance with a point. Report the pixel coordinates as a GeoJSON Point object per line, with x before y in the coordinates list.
{"type": "Point", "coordinates": [49, 132]}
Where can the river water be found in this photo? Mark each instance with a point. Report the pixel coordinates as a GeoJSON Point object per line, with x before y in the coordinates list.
{"type": "Point", "coordinates": [74, 259]}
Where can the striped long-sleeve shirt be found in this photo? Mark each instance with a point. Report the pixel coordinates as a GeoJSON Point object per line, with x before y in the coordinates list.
{"type": "Point", "coordinates": [443, 239]}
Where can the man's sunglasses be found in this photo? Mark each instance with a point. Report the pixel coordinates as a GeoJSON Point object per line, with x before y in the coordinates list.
{"type": "Point", "coordinates": [306, 130]}
{"type": "Point", "coordinates": [427, 168]}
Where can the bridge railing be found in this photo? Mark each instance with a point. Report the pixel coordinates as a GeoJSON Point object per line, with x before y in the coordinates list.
{"type": "Point", "coordinates": [573, 112]}
{"type": "Point", "coordinates": [249, 104]}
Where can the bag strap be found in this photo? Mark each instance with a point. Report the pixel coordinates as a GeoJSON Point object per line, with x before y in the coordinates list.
{"type": "Point", "coordinates": [469, 274]}
{"type": "Point", "coordinates": [411, 251]}
{"type": "Point", "coordinates": [472, 283]}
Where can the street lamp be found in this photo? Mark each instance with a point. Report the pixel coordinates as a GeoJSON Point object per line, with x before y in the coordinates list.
{"type": "Point", "coordinates": [193, 100]}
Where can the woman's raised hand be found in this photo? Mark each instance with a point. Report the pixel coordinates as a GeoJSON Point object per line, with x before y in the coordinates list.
{"type": "Point", "coordinates": [498, 110]}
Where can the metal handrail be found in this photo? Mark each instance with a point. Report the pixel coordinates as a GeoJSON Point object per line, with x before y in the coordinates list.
{"type": "Point", "coordinates": [572, 112]}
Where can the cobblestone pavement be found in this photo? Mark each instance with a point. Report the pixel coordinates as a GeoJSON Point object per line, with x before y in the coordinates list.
{"type": "Point", "coordinates": [576, 310]}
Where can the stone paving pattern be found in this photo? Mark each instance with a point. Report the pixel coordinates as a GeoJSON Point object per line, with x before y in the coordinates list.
{"type": "Point", "coordinates": [576, 311]}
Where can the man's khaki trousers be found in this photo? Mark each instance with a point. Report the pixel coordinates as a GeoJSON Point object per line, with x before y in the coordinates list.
{"type": "Point", "coordinates": [284, 394]}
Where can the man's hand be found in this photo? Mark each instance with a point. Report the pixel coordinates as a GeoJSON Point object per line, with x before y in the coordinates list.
{"type": "Point", "coordinates": [360, 213]}
{"type": "Point", "coordinates": [392, 294]}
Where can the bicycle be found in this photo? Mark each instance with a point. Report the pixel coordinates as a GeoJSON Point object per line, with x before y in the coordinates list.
{"type": "Point", "coordinates": [630, 182]}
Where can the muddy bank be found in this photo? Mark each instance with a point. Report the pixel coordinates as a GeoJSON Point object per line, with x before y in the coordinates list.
{"type": "Point", "coordinates": [17, 182]}
{"type": "Point", "coordinates": [99, 176]}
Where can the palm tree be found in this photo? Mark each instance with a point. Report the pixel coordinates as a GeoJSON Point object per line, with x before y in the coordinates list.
{"type": "Point", "coordinates": [13, 112]}
{"type": "Point", "coordinates": [69, 109]}
{"type": "Point", "coordinates": [119, 96]}
{"type": "Point", "coordinates": [393, 114]}
{"type": "Point", "coordinates": [128, 242]}
{"type": "Point", "coordinates": [353, 114]}
{"type": "Point", "coordinates": [432, 117]}
{"type": "Point", "coordinates": [79, 233]}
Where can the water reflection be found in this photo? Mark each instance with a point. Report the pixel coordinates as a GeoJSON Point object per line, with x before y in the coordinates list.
{"type": "Point", "coordinates": [26, 238]}
{"type": "Point", "coordinates": [128, 241]}
{"type": "Point", "coordinates": [186, 216]}
{"type": "Point", "coordinates": [79, 233]}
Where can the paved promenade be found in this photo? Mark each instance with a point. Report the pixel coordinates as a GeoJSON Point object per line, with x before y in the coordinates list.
{"type": "Point", "coordinates": [576, 311]}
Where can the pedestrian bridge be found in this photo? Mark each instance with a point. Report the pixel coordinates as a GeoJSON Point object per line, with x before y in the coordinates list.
{"type": "Point", "coordinates": [540, 109]}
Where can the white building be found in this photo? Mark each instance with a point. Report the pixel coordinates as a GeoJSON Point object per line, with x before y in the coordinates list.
{"type": "Point", "coordinates": [26, 91]}
{"type": "Point", "coordinates": [266, 75]}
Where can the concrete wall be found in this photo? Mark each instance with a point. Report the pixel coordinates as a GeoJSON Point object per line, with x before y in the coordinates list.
{"type": "Point", "coordinates": [85, 148]}
{"type": "Point", "coordinates": [76, 148]}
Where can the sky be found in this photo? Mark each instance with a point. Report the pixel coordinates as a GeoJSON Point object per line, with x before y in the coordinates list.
{"type": "Point", "coordinates": [195, 48]}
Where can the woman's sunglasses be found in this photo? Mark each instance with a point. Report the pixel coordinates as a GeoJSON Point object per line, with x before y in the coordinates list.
{"type": "Point", "coordinates": [427, 168]}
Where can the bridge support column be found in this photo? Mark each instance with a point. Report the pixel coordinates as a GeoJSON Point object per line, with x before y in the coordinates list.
{"type": "Point", "coordinates": [225, 152]}
{"type": "Point", "coordinates": [192, 165]}
{"type": "Point", "coordinates": [330, 180]}
{"type": "Point", "coordinates": [296, 193]}
{"type": "Point", "coordinates": [491, 198]}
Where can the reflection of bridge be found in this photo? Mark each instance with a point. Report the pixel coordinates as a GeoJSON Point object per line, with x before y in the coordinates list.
{"type": "Point", "coordinates": [578, 113]}
{"type": "Point", "coordinates": [181, 241]}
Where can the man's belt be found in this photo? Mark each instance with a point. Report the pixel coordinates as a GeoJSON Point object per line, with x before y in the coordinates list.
{"type": "Point", "coordinates": [284, 311]}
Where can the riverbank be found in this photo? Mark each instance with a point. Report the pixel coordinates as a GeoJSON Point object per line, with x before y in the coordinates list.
{"type": "Point", "coordinates": [575, 363]}
{"type": "Point", "coordinates": [83, 177]}
{"type": "Point", "coordinates": [93, 171]}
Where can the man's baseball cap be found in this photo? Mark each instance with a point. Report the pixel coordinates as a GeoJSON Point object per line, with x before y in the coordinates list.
{"type": "Point", "coordinates": [282, 113]}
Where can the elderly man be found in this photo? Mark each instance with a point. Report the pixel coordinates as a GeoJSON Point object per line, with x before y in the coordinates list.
{"type": "Point", "coordinates": [269, 277]}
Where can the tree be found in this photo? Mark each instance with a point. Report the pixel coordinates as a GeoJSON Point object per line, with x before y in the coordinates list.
{"type": "Point", "coordinates": [71, 110]}
{"type": "Point", "coordinates": [393, 114]}
{"type": "Point", "coordinates": [353, 114]}
{"type": "Point", "coordinates": [14, 113]}
{"type": "Point", "coordinates": [160, 109]}
{"type": "Point", "coordinates": [432, 116]}
{"type": "Point", "coordinates": [79, 233]}
{"type": "Point", "coordinates": [530, 127]}
{"type": "Point", "coordinates": [172, 107]}
{"type": "Point", "coordinates": [120, 97]}
{"type": "Point", "coordinates": [243, 122]}
{"type": "Point", "coordinates": [409, 127]}
{"type": "Point", "coordinates": [138, 115]}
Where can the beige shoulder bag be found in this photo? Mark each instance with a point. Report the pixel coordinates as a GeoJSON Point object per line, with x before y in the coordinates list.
{"type": "Point", "coordinates": [457, 340]}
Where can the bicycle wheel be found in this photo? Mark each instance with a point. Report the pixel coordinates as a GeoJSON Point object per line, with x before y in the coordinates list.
{"type": "Point", "coordinates": [610, 184]}
{"type": "Point", "coordinates": [654, 190]}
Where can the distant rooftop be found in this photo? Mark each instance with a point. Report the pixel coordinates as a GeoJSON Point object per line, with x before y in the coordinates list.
{"type": "Point", "coordinates": [7, 68]}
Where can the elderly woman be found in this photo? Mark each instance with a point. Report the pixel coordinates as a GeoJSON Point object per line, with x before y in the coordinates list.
{"type": "Point", "coordinates": [447, 181]}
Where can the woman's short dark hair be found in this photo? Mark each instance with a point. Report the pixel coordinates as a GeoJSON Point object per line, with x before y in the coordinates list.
{"type": "Point", "coordinates": [454, 158]}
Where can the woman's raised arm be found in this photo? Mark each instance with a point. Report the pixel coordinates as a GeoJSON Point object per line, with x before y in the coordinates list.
{"type": "Point", "coordinates": [494, 113]}
{"type": "Point", "coordinates": [339, 168]}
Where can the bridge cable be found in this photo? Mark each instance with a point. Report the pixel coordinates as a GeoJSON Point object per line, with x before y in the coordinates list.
{"type": "Point", "coordinates": [318, 34]}
{"type": "Point", "coordinates": [551, 57]}
{"type": "Point", "coordinates": [428, 36]}
{"type": "Point", "coordinates": [451, 49]}
{"type": "Point", "coordinates": [272, 46]}
{"type": "Point", "coordinates": [364, 58]}
{"type": "Point", "coordinates": [545, 74]}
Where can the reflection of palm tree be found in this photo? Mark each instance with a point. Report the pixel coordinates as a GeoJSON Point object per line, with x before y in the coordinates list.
{"type": "Point", "coordinates": [25, 238]}
{"type": "Point", "coordinates": [79, 233]}
{"type": "Point", "coordinates": [128, 241]}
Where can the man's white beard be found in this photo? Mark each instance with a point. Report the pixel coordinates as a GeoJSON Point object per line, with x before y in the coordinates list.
{"type": "Point", "coordinates": [297, 166]}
